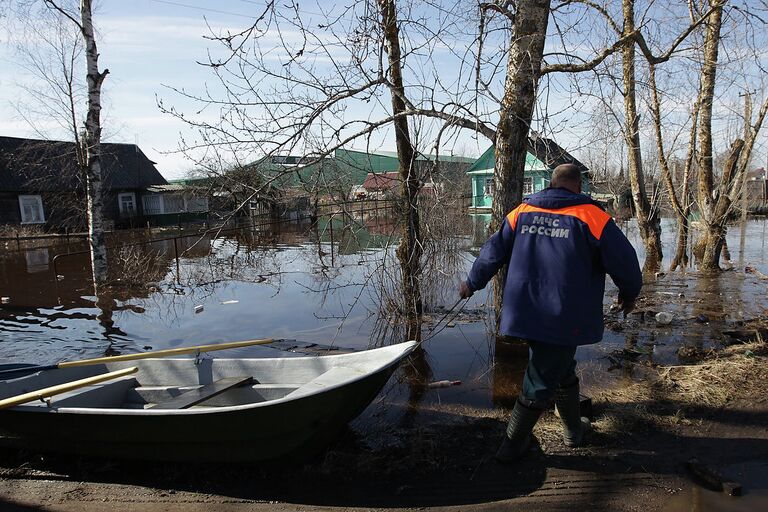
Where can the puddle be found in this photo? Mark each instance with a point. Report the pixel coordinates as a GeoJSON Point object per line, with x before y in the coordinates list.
{"type": "Point", "coordinates": [753, 476]}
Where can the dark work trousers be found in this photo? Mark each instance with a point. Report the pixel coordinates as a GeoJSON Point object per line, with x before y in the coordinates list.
{"type": "Point", "coordinates": [549, 366]}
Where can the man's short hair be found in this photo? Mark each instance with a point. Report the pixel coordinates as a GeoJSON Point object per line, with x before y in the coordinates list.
{"type": "Point", "coordinates": [566, 174]}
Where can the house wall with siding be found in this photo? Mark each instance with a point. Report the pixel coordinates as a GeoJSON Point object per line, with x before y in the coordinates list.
{"type": "Point", "coordinates": [9, 208]}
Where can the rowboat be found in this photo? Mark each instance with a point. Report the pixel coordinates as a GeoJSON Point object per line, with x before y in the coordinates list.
{"type": "Point", "coordinates": [196, 409]}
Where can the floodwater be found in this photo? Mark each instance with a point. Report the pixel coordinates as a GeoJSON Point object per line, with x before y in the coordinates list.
{"type": "Point", "coordinates": [751, 475]}
{"type": "Point", "coordinates": [336, 284]}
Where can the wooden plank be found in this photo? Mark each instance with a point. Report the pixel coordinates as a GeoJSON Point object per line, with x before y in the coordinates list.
{"type": "Point", "coordinates": [63, 388]}
{"type": "Point", "coordinates": [201, 394]}
{"type": "Point", "coordinates": [165, 352]}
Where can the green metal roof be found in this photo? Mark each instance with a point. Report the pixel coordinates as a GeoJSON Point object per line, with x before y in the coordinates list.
{"type": "Point", "coordinates": [487, 161]}
{"type": "Point", "coordinates": [419, 156]}
{"type": "Point", "coordinates": [347, 166]}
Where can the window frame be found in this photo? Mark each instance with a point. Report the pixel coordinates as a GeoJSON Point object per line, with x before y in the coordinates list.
{"type": "Point", "coordinates": [39, 201]}
{"type": "Point", "coordinates": [488, 185]}
{"type": "Point", "coordinates": [120, 209]}
{"type": "Point", "coordinates": [527, 185]}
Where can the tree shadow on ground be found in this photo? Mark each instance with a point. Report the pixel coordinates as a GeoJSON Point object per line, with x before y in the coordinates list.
{"type": "Point", "coordinates": [446, 462]}
{"type": "Point", "coordinates": [7, 505]}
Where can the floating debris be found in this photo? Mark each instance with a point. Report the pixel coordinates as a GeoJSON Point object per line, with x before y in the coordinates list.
{"type": "Point", "coordinates": [230, 301]}
{"type": "Point", "coordinates": [444, 383]}
{"type": "Point", "coordinates": [199, 308]}
{"type": "Point", "coordinates": [5, 300]}
{"type": "Point", "coordinates": [664, 318]}
{"type": "Point", "coordinates": [711, 479]}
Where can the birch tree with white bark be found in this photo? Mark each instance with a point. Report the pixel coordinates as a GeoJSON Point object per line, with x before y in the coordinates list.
{"type": "Point", "coordinates": [59, 101]}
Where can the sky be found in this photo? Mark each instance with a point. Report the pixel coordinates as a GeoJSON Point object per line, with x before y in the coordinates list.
{"type": "Point", "coordinates": [150, 45]}
{"type": "Point", "coordinates": [146, 45]}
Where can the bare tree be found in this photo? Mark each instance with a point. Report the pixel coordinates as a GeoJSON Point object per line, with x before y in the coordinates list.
{"type": "Point", "coordinates": [648, 220]}
{"type": "Point", "coordinates": [50, 49]}
{"type": "Point", "coordinates": [59, 101]}
{"type": "Point", "coordinates": [410, 249]}
{"type": "Point", "coordinates": [525, 52]}
{"type": "Point", "coordinates": [677, 183]}
{"type": "Point", "coordinates": [716, 199]}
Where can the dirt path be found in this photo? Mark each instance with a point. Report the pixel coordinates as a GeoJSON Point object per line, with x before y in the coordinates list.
{"type": "Point", "coordinates": [560, 490]}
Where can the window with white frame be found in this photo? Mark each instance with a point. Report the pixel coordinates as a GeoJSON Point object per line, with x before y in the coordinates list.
{"type": "Point", "coordinates": [153, 204]}
{"type": "Point", "coordinates": [127, 203]}
{"type": "Point", "coordinates": [527, 186]}
{"type": "Point", "coordinates": [31, 208]}
{"type": "Point", "coordinates": [173, 203]}
{"type": "Point", "coordinates": [197, 204]}
{"type": "Point", "coordinates": [488, 186]}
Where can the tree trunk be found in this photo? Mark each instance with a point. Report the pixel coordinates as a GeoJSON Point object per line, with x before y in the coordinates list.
{"type": "Point", "coordinates": [681, 206]}
{"type": "Point", "coordinates": [648, 221]}
{"type": "Point", "coordinates": [410, 248]}
{"type": "Point", "coordinates": [523, 71]}
{"type": "Point", "coordinates": [681, 251]}
{"type": "Point", "coordinates": [93, 148]}
{"type": "Point", "coordinates": [715, 228]}
{"type": "Point", "coordinates": [713, 232]}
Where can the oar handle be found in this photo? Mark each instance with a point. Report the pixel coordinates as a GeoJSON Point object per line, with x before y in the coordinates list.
{"type": "Point", "coordinates": [63, 388]}
{"type": "Point", "coordinates": [166, 352]}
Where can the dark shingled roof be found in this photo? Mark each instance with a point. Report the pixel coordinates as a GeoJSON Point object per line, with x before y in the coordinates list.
{"type": "Point", "coordinates": [549, 152]}
{"type": "Point", "coordinates": [28, 165]}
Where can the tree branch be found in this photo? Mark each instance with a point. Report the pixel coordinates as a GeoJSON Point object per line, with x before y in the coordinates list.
{"type": "Point", "coordinates": [588, 65]}
{"type": "Point", "coordinates": [53, 5]}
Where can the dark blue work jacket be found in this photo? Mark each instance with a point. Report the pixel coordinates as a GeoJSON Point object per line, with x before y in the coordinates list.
{"type": "Point", "coordinates": [559, 245]}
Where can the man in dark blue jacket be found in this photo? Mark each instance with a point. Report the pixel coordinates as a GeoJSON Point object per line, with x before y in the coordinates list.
{"type": "Point", "coordinates": [559, 245]}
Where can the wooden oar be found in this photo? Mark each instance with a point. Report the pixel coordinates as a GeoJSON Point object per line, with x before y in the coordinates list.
{"type": "Point", "coordinates": [131, 357]}
{"type": "Point", "coordinates": [63, 388]}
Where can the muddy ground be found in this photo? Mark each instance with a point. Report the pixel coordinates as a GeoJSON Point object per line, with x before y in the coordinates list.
{"type": "Point", "coordinates": [709, 404]}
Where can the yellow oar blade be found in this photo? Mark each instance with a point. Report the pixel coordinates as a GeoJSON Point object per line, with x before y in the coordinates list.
{"type": "Point", "coordinates": [166, 352]}
{"type": "Point", "coordinates": [63, 388]}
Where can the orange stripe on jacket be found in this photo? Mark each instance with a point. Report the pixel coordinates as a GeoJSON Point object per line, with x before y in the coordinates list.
{"type": "Point", "coordinates": [589, 214]}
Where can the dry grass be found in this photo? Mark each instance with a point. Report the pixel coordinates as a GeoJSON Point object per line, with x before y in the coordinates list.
{"type": "Point", "coordinates": [11, 231]}
{"type": "Point", "coordinates": [734, 373]}
{"type": "Point", "coordinates": [131, 267]}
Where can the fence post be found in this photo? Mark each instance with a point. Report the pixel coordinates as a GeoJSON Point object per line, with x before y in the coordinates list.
{"type": "Point", "coordinates": [176, 254]}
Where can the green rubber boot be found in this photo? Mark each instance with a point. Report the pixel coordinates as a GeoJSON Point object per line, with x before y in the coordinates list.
{"type": "Point", "coordinates": [518, 435]}
{"type": "Point", "coordinates": [568, 407]}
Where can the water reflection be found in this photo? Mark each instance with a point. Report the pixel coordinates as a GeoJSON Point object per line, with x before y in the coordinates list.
{"type": "Point", "coordinates": [37, 260]}
{"type": "Point", "coordinates": [510, 360]}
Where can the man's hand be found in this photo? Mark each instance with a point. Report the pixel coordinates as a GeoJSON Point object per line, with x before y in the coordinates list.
{"type": "Point", "coordinates": [625, 306]}
{"type": "Point", "coordinates": [464, 291]}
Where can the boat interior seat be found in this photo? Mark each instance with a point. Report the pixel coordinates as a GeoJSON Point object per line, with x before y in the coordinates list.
{"type": "Point", "coordinates": [329, 378]}
{"type": "Point", "coordinates": [105, 395]}
{"type": "Point", "coordinates": [146, 396]}
{"type": "Point", "coordinates": [201, 394]}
